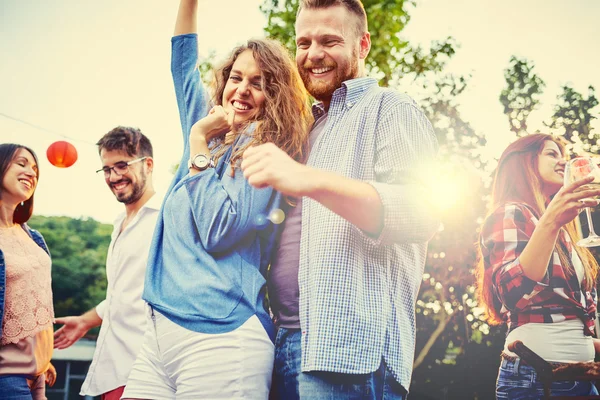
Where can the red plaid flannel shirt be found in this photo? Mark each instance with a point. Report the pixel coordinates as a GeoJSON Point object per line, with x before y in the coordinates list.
{"type": "Point", "coordinates": [519, 299]}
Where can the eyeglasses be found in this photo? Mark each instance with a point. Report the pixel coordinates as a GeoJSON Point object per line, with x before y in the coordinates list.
{"type": "Point", "coordinates": [120, 168]}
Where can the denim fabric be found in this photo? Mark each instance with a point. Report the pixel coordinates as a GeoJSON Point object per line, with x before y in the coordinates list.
{"type": "Point", "coordinates": [39, 240]}
{"type": "Point", "coordinates": [378, 385]}
{"type": "Point", "coordinates": [290, 383]}
{"type": "Point", "coordinates": [212, 243]}
{"type": "Point", "coordinates": [517, 381]}
{"type": "Point", "coordinates": [14, 387]}
{"type": "Point", "coordinates": [288, 364]}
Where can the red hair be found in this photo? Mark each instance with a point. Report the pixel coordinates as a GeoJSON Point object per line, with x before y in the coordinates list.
{"type": "Point", "coordinates": [517, 179]}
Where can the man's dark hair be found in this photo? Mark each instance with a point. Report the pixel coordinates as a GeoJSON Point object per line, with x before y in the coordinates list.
{"type": "Point", "coordinates": [354, 6]}
{"type": "Point", "coordinates": [124, 138]}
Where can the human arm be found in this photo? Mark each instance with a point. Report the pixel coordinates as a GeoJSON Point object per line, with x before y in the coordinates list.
{"type": "Point", "coordinates": [392, 207]}
{"type": "Point", "coordinates": [192, 99]}
{"type": "Point", "coordinates": [187, 18]}
{"type": "Point", "coordinates": [224, 208]}
{"type": "Point", "coordinates": [563, 208]}
{"type": "Point", "coordinates": [267, 165]}
{"type": "Point", "coordinates": [74, 328]}
{"type": "Point", "coordinates": [201, 130]}
{"type": "Point", "coordinates": [517, 250]}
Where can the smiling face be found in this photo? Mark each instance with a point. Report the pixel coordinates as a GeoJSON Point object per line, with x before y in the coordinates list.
{"type": "Point", "coordinates": [328, 49]}
{"type": "Point", "coordinates": [129, 187]}
{"type": "Point", "coordinates": [551, 168]}
{"type": "Point", "coordinates": [243, 91]}
{"type": "Point", "coordinates": [21, 177]}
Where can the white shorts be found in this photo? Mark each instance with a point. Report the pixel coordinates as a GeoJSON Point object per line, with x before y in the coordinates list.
{"type": "Point", "coordinates": [176, 363]}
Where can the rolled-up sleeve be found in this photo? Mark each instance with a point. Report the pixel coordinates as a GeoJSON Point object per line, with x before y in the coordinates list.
{"type": "Point", "coordinates": [504, 236]}
{"type": "Point", "coordinates": [100, 308]}
{"type": "Point", "coordinates": [405, 142]}
{"type": "Point", "coordinates": [225, 213]}
{"type": "Point", "coordinates": [189, 90]}
{"type": "Point", "coordinates": [225, 209]}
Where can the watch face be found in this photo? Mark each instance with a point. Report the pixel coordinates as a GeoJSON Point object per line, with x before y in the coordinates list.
{"type": "Point", "coordinates": [201, 162]}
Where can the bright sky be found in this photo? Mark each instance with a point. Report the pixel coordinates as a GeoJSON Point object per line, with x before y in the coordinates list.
{"type": "Point", "coordinates": [80, 68]}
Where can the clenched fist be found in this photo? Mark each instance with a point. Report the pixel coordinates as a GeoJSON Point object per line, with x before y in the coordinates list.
{"type": "Point", "coordinates": [267, 165]}
{"type": "Point", "coordinates": [215, 124]}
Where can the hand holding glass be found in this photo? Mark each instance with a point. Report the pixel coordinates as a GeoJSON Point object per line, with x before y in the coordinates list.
{"type": "Point", "coordinates": [576, 169]}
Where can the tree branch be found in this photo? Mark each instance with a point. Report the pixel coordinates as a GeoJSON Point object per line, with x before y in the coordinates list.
{"type": "Point", "coordinates": [425, 350]}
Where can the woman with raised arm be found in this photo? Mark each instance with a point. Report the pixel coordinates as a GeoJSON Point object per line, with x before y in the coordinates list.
{"type": "Point", "coordinates": [26, 311]}
{"type": "Point", "coordinates": [531, 275]}
{"type": "Point", "coordinates": [209, 335]}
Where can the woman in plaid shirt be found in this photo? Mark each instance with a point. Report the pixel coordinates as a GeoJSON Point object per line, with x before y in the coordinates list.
{"type": "Point", "coordinates": [530, 274]}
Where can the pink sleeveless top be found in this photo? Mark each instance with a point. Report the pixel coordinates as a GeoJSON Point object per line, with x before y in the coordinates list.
{"type": "Point", "coordinates": [28, 300]}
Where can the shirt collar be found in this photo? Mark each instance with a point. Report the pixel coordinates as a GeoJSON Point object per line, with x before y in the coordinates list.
{"type": "Point", "coordinates": [153, 203]}
{"type": "Point", "coordinates": [349, 93]}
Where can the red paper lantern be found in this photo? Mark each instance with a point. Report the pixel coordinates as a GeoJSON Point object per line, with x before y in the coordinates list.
{"type": "Point", "coordinates": [61, 154]}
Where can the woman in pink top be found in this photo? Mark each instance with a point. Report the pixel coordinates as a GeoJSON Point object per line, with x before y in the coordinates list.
{"type": "Point", "coordinates": [26, 312]}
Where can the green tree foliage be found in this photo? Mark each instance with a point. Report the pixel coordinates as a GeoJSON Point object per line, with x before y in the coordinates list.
{"type": "Point", "coordinates": [573, 116]}
{"type": "Point", "coordinates": [521, 94]}
{"type": "Point", "coordinates": [572, 119]}
{"type": "Point", "coordinates": [78, 248]}
{"type": "Point", "coordinates": [391, 57]}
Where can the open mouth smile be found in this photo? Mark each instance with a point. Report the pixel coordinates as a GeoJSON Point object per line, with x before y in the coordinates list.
{"type": "Point", "coordinates": [27, 183]}
{"type": "Point", "coordinates": [320, 71]}
{"type": "Point", "coordinates": [241, 105]}
{"type": "Point", "coordinates": [119, 185]}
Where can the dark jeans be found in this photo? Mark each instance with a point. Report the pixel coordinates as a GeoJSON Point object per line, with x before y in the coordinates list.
{"type": "Point", "coordinates": [290, 383]}
{"type": "Point", "coordinates": [14, 387]}
{"type": "Point", "coordinates": [517, 381]}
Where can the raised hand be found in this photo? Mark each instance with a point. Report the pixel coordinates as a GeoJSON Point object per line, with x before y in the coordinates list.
{"type": "Point", "coordinates": [570, 200]}
{"type": "Point", "coordinates": [217, 123]}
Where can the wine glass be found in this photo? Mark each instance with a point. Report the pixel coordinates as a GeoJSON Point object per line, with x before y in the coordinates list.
{"type": "Point", "coordinates": [576, 169]}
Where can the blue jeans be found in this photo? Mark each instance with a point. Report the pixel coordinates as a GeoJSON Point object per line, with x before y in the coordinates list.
{"type": "Point", "coordinates": [517, 381]}
{"type": "Point", "coordinates": [14, 387]}
{"type": "Point", "coordinates": [290, 383]}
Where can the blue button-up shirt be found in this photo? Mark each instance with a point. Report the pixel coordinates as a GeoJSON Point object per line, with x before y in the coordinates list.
{"type": "Point", "coordinates": [357, 292]}
{"type": "Point", "coordinates": [208, 255]}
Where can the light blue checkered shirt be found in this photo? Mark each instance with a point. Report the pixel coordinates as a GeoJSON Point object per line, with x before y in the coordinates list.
{"type": "Point", "coordinates": [357, 292]}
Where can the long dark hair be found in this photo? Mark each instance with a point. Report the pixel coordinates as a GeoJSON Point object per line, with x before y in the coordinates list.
{"type": "Point", "coordinates": [7, 154]}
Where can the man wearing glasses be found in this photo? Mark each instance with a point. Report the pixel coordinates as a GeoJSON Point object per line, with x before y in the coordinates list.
{"type": "Point", "coordinates": [127, 164]}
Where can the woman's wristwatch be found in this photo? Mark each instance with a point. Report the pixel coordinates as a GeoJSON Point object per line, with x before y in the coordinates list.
{"type": "Point", "coordinates": [200, 162]}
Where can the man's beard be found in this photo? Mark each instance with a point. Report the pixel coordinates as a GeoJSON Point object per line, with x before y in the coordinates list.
{"type": "Point", "coordinates": [137, 190]}
{"type": "Point", "coordinates": [323, 89]}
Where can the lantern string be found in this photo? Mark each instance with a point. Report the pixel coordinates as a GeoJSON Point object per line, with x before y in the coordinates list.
{"type": "Point", "coordinates": [46, 130]}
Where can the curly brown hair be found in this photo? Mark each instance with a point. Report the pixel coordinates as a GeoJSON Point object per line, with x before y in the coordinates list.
{"type": "Point", "coordinates": [285, 116]}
